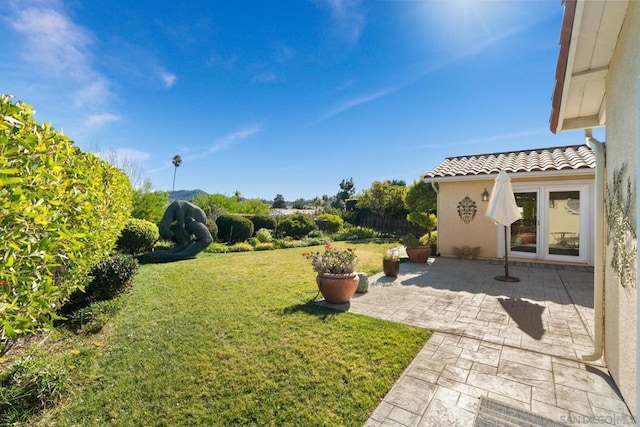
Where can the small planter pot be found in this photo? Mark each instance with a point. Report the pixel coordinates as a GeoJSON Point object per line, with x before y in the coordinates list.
{"type": "Point", "coordinates": [391, 267]}
{"type": "Point", "coordinates": [337, 288]}
{"type": "Point", "coordinates": [419, 254]}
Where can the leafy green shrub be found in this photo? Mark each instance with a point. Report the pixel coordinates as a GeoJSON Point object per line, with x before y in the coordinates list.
{"type": "Point", "coordinates": [264, 246]}
{"type": "Point", "coordinates": [149, 205]}
{"type": "Point", "coordinates": [316, 234]}
{"type": "Point", "coordinates": [411, 241]}
{"type": "Point", "coordinates": [213, 227]}
{"type": "Point", "coordinates": [294, 244]}
{"type": "Point", "coordinates": [297, 225]}
{"type": "Point", "coordinates": [356, 233]}
{"type": "Point", "coordinates": [234, 228]}
{"type": "Point", "coordinates": [279, 243]}
{"type": "Point", "coordinates": [241, 247]}
{"type": "Point", "coordinates": [216, 248]}
{"type": "Point", "coordinates": [264, 235]}
{"type": "Point", "coordinates": [162, 245]}
{"type": "Point", "coordinates": [284, 243]}
{"type": "Point", "coordinates": [138, 236]}
{"type": "Point", "coordinates": [232, 204]}
{"type": "Point", "coordinates": [263, 221]}
{"type": "Point", "coordinates": [329, 222]}
{"type": "Point", "coordinates": [315, 241]}
{"type": "Point", "coordinates": [62, 211]}
{"type": "Point", "coordinates": [431, 239]}
{"type": "Point", "coordinates": [110, 278]}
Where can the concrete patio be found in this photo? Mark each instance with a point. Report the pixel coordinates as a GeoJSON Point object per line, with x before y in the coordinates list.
{"type": "Point", "coordinates": [516, 343]}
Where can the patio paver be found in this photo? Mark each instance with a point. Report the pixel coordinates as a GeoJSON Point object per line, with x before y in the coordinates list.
{"type": "Point", "coordinates": [518, 343]}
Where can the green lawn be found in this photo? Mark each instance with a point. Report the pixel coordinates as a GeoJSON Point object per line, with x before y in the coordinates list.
{"type": "Point", "coordinates": [232, 339]}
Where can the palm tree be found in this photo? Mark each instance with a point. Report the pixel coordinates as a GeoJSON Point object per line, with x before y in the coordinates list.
{"type": "Point", "coordinates": [177, 161]}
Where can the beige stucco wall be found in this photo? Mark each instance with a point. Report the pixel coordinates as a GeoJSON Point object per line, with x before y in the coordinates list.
{"type": "Point", "coordinates": [621, 147]}
{"type": "Point", "coordinates": [452, 231]}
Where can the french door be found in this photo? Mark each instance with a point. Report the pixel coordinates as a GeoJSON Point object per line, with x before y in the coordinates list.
{"type": "Point", "coordinates": [555, 223]}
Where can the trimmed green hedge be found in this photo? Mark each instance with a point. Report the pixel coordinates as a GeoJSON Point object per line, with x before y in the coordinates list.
{"type": "Point", "coordinates": [234, 228]}
{"type": "Point", "coordinates": [212, 227]}
{"type": "Point", "coordinates": [61, 211]}
{"type": "Point", "coordinates": [138, 236]}
{"type": "Point", "coordinates": [329, 222]}
{"type": "Point", "coordinates": [263, 221]}
{"type": "Point", "coordinates": [297, 225]}
{"type": "Point", "coordinates": [110, 278]}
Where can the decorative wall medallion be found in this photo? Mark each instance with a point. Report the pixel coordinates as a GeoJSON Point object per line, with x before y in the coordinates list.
{"type": "Point", "coordinates": [621, 228]}
{"type": "Point", "coordinates": [467, 210]}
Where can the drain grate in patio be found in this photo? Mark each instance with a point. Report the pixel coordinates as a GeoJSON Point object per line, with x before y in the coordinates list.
{"type": "Point", "coordinates": [496, 414]}
{"type": "Point", "coordinates": [548, 266]}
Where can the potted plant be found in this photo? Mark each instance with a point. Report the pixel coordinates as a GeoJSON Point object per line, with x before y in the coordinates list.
{"type": "Point", "coordinates": [336, 268]}
{"type": "Point", "coordinates": [417, 250]}
{"type": "Point", "coordinates": [391, 263]}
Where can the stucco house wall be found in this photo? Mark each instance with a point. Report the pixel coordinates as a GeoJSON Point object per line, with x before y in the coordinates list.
{"type": "Point", "coordinates": [621, 151]}
{"type": "Point", "coordinates": [453, 231]}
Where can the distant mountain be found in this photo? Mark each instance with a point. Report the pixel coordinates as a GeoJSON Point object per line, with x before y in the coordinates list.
{"type": "Point", "coordinates": [185, 194]}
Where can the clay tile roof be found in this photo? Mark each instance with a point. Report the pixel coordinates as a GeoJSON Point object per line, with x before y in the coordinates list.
{"type": "Point", "coordinates": [571, 157]}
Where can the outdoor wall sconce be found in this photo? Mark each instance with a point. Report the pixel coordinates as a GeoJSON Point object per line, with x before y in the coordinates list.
{"type": "Point", "coordinates": [485, 195]}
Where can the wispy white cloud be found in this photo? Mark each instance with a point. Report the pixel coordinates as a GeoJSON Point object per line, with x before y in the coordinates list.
{"type": "Point", "coordinates": [98, 120]}
{"type": "Point", "coordinates": [474, 141]}
{"type": "Point", "coordinates": [472, 49]}
{"type": "Point", "coordinates": [53, 39]}
{"type": "Point", "coordinates": [58, 48]}
{"type": "Point", "coordinates": [235, 137]}
{"type": "Point", "coordinates": [355, 102]}
{"type": "Point", "coordinates": [141, 63]}
{"type": "Point", "coordinates": [120, 154]}
{"type": "Point", "coordinates": [227, 141]}
{"type": "Point", "coordinates": [169, 79]}
{"type": "Point", "coordinates": [348, 17]}
{"type": "Point", "coordinates": [94, 93]}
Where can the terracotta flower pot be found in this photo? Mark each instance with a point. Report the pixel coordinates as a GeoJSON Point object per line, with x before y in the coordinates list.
{"type": "Point", "coordinates": [391, 267]}
{"type": "Point", "coordinates": [419, 254]}
{"type": "Point", "coordinates": [337, 288]}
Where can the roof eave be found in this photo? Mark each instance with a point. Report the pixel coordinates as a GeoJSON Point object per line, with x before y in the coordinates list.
{"type": "Point", "coordinates": [581, 172]}
{"type": "Point", "coordinates": [588, 40]}
{"type": "Point", "coordinates": [562, 68]}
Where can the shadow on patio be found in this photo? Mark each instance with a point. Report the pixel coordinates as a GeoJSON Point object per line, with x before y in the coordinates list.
{"type": "Point", "coordinates": [550, 310]}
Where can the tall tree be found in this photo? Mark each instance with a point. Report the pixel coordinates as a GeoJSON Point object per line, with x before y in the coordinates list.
{"type": "Point", "coordinates": [317, 203]}
{"type": "Point", "coordinates": [383, 198]}
{"type": "Point", "coordinates": [299, 203]}
{"type": "Point", "coordinates": [126, 162]}
{"type": "Point", "coordinates": [177, 161]}
{"type": "Point", "coordinates": [347, 190]}
{"type": "Point", "coordinates": [278, 202]}
{"type": "Point", "coordinates": [149, 204]}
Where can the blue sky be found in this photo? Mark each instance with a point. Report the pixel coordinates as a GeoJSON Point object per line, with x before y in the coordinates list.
{"type": "Point", "coordinates": [290, 96]}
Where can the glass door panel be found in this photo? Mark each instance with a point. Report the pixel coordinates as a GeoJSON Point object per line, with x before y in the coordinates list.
{"type": "Point", "coordinates": [524, 232]}
{"type": "Point", "coordinates": [564, 223]}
